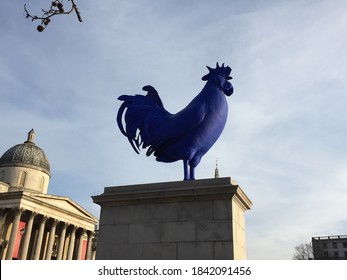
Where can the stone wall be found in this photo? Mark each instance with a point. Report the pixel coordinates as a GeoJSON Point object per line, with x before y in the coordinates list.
{"type": "Point", "coordinates": [201, 219]}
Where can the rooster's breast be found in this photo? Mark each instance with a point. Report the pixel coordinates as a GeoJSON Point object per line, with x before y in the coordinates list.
{"type": "Point", "coordinates": [196, 141]}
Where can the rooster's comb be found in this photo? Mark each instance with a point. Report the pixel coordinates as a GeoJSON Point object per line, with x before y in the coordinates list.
{"type": "Point", "coordinates": [218, 70]}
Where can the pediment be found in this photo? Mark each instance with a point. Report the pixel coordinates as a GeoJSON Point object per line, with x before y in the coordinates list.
{"type": "Point", "coordinates": [63, 203]}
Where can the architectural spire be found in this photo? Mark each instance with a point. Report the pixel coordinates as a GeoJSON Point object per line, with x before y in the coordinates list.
{"type": "Point", "coordinates": [31, 136]}
{"type": "Point", "coordinates": [216, 171]}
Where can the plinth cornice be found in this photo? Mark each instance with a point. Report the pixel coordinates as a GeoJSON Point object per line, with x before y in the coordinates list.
{"type": "Point", "coordinates": [204, 189]}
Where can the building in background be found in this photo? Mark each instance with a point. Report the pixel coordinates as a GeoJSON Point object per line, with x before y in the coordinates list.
{"type": "Point", "coordinates": [35, 225]}
{"type": "Point", "coordinates": [330, 247]}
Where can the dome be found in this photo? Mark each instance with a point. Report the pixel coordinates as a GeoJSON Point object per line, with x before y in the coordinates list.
{"type": "Point", "coordinates": [26, 155]}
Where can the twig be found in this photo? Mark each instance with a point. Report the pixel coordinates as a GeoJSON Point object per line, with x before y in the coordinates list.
{"type": "Point", "coordinates": [56, 8]}
{"type": "Point", "coordinates": [76, 10]}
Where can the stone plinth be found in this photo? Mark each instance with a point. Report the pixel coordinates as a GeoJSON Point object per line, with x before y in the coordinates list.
{"type": "Point", "coordinates": [200, 219]}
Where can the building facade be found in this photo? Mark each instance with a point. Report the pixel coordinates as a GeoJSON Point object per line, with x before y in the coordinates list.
{"type": "Point", "coordinates": [330, 247]}
{"type": "Point", "coordinates": [35, 225]}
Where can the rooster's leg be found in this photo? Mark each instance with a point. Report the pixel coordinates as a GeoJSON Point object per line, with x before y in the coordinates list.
{"type": "Point", "coordinates": [185, 168]}
{"type": "Point", "coordinates": [192, 173]}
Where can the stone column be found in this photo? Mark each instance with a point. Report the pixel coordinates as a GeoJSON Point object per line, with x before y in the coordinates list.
{"type": "Point", "coordinates": [51, 240]}
{"type": "Point", "coordinates": [61, 241]}
{"type": "Point", "coordinates": [93, 255]}
{"type": "Point", "coordinates": [39, 238]}
{"type": "Point", "coordinates": [13, 236]}
{"type": "Point", "coordinates": [72, 243]}
{"type": "Point", "coordinates": [3, 215]}
{"type": "Point", "coordinates": [89, 245]}
{"type": "Point", "coordinates": [27, 235]}
{"type": "Point", "coordinates": [80, 244]}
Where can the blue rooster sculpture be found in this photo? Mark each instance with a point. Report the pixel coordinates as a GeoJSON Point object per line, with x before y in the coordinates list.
{"type": "Point", "coordinates": [186, 135]}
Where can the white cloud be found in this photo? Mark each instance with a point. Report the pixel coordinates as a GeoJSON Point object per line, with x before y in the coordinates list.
{"type": "Point", "coordinates": [284, 139]}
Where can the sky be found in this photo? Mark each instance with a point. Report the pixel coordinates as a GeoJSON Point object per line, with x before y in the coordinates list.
{"type": "Point", "coordinates": [285, 137]}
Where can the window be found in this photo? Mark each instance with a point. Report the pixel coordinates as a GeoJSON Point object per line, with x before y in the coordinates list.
{"type": "Point", "coordinates": [345, 254]}
{"type": "Point", "coordinates": [325, 246]}
{"type": "Point", "coordinates": [344, 244]}
{"type": "Point", "coordinates": [2, 175]}
{"type": "Point", "coordinates": [42, 183]}
{"type": "Point", "coordinates": [336, 254]}
{"type": "Point", "coordinates": [22, 178]}
{"type": "Point", "coordinates": [334, 245]}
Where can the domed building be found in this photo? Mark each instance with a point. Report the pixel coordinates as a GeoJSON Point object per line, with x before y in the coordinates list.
{"type": "Point", "coordinates": [33, 224]}
{"type": "Point", "coordinates": [25, 167]}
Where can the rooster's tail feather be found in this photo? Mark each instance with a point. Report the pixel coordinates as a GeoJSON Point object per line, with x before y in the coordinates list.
{"type": "Point", "coordinates": [138, 116]}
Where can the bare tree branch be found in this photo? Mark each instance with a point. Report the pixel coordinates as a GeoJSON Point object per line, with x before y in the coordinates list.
{"type": "Point", "coordinates": [76, 10]}
{"type": "Point", "coordinates": [56, 8]}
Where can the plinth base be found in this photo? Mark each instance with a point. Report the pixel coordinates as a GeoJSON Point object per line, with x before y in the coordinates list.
{"type": "Point", "coordinates": [185, 220]}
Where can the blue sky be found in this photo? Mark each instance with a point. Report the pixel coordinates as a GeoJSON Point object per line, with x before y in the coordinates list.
{"type": "Point", "coordinates": [285, 139]}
